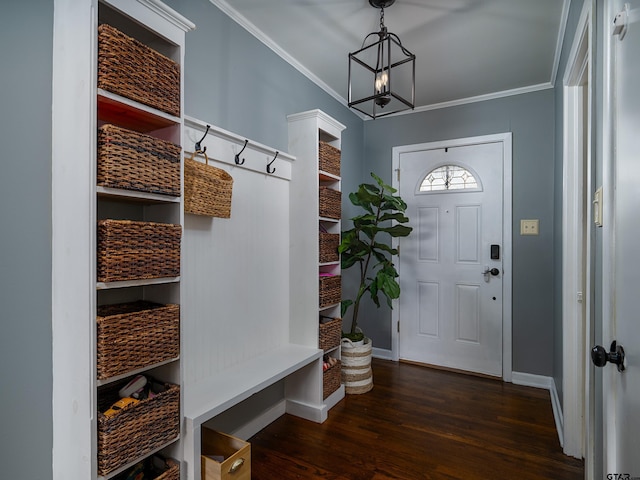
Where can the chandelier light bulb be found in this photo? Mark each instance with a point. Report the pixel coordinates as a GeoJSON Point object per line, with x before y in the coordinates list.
{"type": "Point", "coordinates": [382, 82]}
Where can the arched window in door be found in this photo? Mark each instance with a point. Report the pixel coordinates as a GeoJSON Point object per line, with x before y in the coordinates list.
{"type": "Point", "coordinates": [447, 178]}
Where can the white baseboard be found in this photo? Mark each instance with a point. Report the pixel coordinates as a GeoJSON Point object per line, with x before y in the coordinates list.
{"type": "Point", "coordinates": [314, 413]}
{"type": "Point", "coordinates": [382, 353]}
{"type": "Point", "coordinates": [540, 381]}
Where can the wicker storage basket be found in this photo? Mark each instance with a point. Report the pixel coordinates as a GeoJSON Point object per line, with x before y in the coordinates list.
{"type": "Point", "coordinates": [171, 471]}
{"type": "Point", "coordinates": [207, 189]}
{"type": "Point", "coordinates": [129, 68]}
{"type": "Point", "coordinates": [330, 333]}
{"type": "Point", "coordinates": [330, 290]}
{"type": "Point", "coordinates": [328, 247]}
{"type": "Point", "coordinates": [331, 380]}
{"type": "Point", "coordinates": [135, 161]}
{"type": "Point", "coordinates": [129, 250]}
{"type": "Point", "coordinates": [137, 430]}
{"type": "Point", "coordinates": [329, 159]}
{"type": "Point", "coordinates": [330, 203]}
{"type": "Point", "coordinates": [135, 335]}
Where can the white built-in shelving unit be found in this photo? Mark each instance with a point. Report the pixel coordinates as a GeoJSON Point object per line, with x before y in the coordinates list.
{"type": "Point", "coordinates": [163, 30]}
{"type": "Point", "coordinates": [79, 109]}
{"type": "Point", "coordinates": [306, 130]}
{"type": "Point", "coordinates": [248, 285]}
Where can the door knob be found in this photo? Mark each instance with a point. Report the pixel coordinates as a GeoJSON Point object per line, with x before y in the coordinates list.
{"type": "Point", "coordinates": [600, 357]}
{"type": "Point", "coordinates": [493, 271]}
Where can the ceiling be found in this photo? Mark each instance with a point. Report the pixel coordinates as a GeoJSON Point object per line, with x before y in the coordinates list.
{"type": "Point", "coordinates": [466, 50]}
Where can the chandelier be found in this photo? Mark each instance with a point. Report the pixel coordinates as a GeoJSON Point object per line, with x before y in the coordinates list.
{"type": "Point", "coordinates": [382, 74]}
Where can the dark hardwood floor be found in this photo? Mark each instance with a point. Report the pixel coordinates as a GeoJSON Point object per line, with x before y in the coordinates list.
{"type": "Point", "coordinates": [420, 423]}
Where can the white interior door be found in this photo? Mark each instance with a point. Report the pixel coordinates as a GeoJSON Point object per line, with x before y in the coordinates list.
{"type": "Point", "coordinates": [621, 390]}
{"type": "Point", "coordinates": [451, 265]}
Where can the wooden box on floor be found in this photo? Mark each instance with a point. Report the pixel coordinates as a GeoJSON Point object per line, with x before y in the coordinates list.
{"type": "Point", "coordinates": [237, 456]}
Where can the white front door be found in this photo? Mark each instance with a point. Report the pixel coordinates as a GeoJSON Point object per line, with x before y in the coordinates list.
{"type": "Point", "coordinates": [451, 266]}
{"type": "Point", "coordinates": [621, 260]}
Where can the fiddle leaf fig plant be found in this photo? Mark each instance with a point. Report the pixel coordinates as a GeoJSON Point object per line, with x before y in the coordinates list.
{"type": "Point", "coordinates": [367, 245]}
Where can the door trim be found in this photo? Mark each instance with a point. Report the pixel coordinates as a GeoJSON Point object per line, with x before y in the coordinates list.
{"type": "Point", "coordinates": [577, 262]}
{"type": "Point", "coordinates": [507, 246]}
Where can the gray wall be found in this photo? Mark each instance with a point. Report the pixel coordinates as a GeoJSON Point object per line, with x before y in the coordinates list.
{"type": "Point", "coordinates": [530, 117]}
{"type": "Point", "coordinates": [25, 245]}
{"type": "Point", "coordinates": [235, 82]}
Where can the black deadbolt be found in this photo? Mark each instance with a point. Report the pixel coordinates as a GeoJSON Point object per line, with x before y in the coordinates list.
{"type": "Point", "coordinates": [600, 357]}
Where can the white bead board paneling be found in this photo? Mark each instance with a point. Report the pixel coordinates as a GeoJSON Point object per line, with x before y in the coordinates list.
{"type": "Point", "coordinates": [236, 278]}
{"type": "Point", "coordinates": [235, 275]}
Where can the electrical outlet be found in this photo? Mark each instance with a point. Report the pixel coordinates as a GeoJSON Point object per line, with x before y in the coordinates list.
{"type": "Point", "coordinates": [529, 227]}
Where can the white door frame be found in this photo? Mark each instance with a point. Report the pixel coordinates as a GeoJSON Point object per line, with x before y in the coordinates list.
{"type": "Point", "coordinates": [577, 264]}
{"type": "Point", "coordinates": [507, 246]}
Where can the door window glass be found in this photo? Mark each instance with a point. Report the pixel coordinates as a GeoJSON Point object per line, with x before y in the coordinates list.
{"type": "Point", "coordinates": [449, 177]}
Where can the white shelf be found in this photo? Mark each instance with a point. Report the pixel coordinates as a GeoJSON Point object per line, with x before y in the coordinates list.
{"type": "Point", "coordinates": [328, 264]}
{"type": "Point", "coordinates": [329, 220]}
{"type": "Point", "coordinates": [327, 177]}
{"type": "Point", "coordinates": [106, 381]}
{"type": "Point", "coordinates": [130, 114]}
{"type": "Point", "coordinates": [136, 283]}
{"type": "Point", "coordinates": [214, 395]}
{"type": "Point", "coordinates": [328, 307]}
{"type": "Point", "coordinates": [132, 195]}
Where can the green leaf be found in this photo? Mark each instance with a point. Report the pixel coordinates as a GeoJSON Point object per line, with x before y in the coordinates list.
{"type": "Point", "coordinates": [372, 189]}
{"type": "Point", "coordinates": [389, 286]}
{"type": "Point", "coordinates": [349, 261]}
{"type": "Point", "coordinates": [379, 256]}
{"type": "Point", "coordinates": [384, 186]}
{"type": "Point", "coordinates": [373, 290]}
{"type": "Point", "coordinates": [397, 230]}
{"type": "Point", "coordinates": [386, 248]}
{"type": "Point", "coordinates": [370, 231]}
{"type": "Point", "coordinates": [398, 217]}
{"type": "Point", "coordinates": [358, 202]}
{"type": "Point", "coordinates": [344, 306]}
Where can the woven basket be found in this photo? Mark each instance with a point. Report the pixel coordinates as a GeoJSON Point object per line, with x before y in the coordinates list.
{"type": "Point", "coordinates": [171, 471]}
{"type": "Point", "coordinates": [330, 203]}
{"type": "Point", "coordinates": [328, 247]}
{"type": "Point", "coordinates": [135, 161]}
{"type": "Point", "coordinates": [330, 290]}
{"type": "Point", "coordinates": [357, 374]}
{"type": "Point", "coordinates": [137, 430]}
{"type": "Point", "coordinates": [129, 250]}
{"type": "Point", "coordinates": [207, 189]}
{"type": "Point", "coordinates": [135, 335]}
{"type": "Point", "coordinates": [331, 380]}
{"type": "Point", "coordinates": [330, 333]}
{"type": "Point", "coordinates": [329, 159]}
{"type": "Point", "coordinates": [129, 68]}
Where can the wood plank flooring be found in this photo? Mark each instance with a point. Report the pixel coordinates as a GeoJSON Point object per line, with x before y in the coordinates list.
{"type": "Point", "coordinates": [420, 423]}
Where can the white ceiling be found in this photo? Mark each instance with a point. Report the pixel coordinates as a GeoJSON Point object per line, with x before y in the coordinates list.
{"type": "Point", "coordinates": [466, 50]}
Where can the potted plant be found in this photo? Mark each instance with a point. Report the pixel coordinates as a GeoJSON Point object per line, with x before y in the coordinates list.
{"type": "Point", "coordinates": [366, 244]}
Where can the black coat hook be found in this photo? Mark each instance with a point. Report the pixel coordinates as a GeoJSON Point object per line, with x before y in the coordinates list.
{"type": "Point", "coordinates": [198, 147]}
{"type": "Point", "coordinates": [238, 161]}
{"type": "Point", "coordinates": [269, 170]}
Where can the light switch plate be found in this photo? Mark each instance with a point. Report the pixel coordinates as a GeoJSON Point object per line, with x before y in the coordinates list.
{"type": "Point", "coordinates": [529, 227]}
